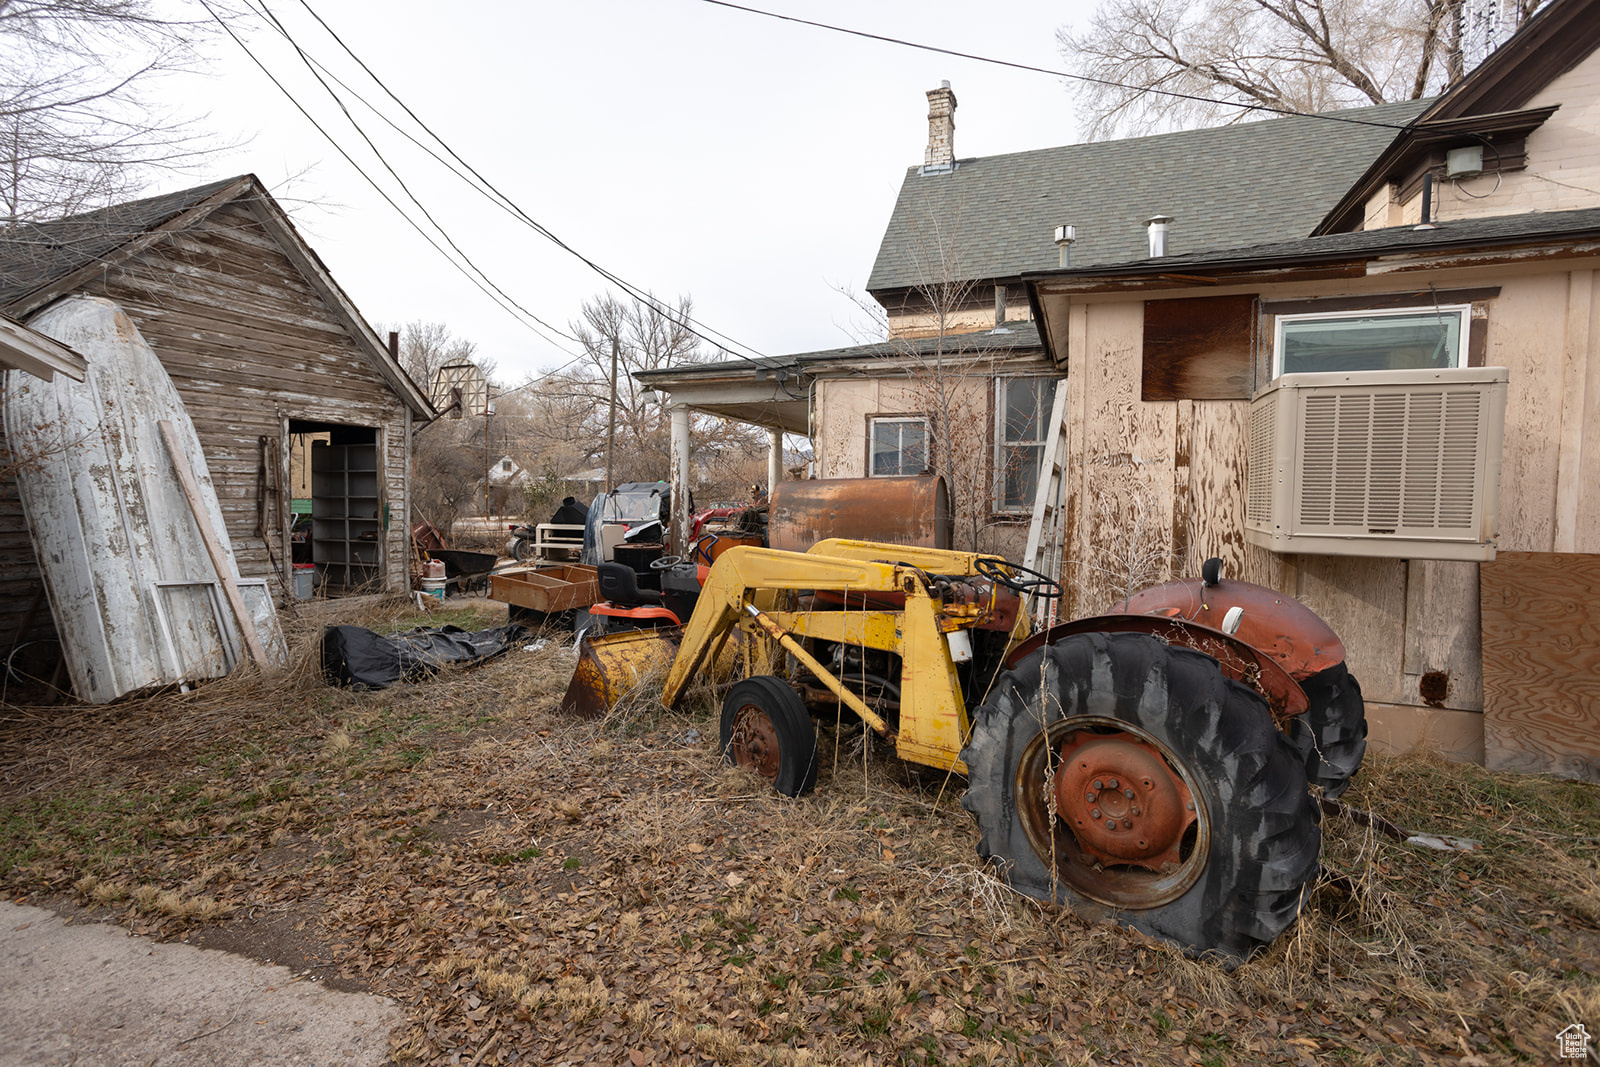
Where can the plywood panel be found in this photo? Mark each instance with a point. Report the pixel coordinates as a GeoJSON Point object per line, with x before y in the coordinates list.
{"type": "Point", "coordinates": [1198, 348]}
{"type": "Point", "coordinates": [1527, 335]}
{"type": "Point", "coordinates": [1443, 665]}
{"type": "Point", "coordinates": [1364, 600]}
{"type": "Point", "coordinates": [1541, 663]}
{"type": "Point", "coordinates": [1127, 467]}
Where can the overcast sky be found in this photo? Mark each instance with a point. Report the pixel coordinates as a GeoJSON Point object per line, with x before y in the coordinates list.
{"type": "Point", "coordinates": [689, 148]}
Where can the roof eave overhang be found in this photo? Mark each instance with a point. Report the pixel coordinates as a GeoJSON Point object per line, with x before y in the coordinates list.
{"type": "Point", "coordinates": [1553, 41]}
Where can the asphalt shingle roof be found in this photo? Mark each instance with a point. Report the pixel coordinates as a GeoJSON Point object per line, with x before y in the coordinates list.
{"type": "Point", "coordinates": [34, 254]}
{"type": "Point", "coordinates": [1441, 236]}
{"type": "Point", "coordinates": [1226, 187]}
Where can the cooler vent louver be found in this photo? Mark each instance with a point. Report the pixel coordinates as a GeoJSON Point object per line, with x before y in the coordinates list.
{"type": "Point", "coordinates": [1378, 463]}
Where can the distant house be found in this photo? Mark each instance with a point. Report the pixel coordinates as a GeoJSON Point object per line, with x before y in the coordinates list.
{"type": "Point", "coordinates": [265, 349]}
{"type": "Point", "coordinates": [506, 481]}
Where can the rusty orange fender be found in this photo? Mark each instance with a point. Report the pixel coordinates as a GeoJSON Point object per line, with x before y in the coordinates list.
{"type": "Point", "coordinates": [1273, 622]}
{"type": "Point", "coordinates": [1238, 659]}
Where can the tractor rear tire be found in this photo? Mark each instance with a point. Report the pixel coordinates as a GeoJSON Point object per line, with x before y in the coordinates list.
{"type": "Point", "coordinates": [1232, 829]}
{"type": "Point", "coordinates": [1331, 733]}
{"type": "Point", "coordinates": [765, 727]}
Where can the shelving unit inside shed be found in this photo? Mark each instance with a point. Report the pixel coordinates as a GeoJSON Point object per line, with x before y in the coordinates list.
{"type": "Point", "coordinates": [346, 527]}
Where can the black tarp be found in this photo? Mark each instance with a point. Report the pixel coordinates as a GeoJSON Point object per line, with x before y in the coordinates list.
{"type": "Point", "coordinates": [354, 656]}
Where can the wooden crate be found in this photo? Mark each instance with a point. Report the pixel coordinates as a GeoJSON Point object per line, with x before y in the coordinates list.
{"type": "Point", "coordinates": [546, 589]}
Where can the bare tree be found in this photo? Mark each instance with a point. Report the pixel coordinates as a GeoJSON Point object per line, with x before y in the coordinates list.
{"type": "Point", "coordinates": [649, 335]}
{"type": "Point", "coordinates": [1285, 55]}
{"type": "Point", "coordinates": [77, 129]}
{"type": "Point", "coordinates": [427, 346]}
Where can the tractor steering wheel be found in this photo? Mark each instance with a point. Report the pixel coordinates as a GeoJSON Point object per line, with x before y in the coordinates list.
{"type": "Point", "coordinates": [662, 563]}
{"type": "Point", "coordinates": [1007, 574]}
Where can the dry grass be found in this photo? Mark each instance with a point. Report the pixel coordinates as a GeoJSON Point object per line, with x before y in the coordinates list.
{"type": "Point", "coordinates": [548, 889]}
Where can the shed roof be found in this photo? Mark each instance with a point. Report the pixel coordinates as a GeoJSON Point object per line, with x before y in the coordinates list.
{"type": "Point", "coordinates": [43, 261]}
{"type": "Point", "coordinates": [1226, 187]}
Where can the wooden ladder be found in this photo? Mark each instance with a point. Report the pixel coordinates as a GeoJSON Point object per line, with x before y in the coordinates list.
{"type": "Point", "coordinates": [1047, 531]}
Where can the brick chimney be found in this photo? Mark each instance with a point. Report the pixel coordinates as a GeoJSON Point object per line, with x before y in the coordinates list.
{"type": "Point", "coordinates": [941, 129]}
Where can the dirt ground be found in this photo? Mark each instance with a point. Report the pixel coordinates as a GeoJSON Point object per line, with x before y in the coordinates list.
{"type": "Point", "coordinates": [533, 889]}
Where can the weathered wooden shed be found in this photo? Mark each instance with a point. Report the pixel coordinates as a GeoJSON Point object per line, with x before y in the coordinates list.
{"type": "Point", "coordinates": [265, 349]}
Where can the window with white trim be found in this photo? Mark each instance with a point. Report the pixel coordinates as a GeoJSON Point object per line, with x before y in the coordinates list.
{"type": "Point", "coordinates": [897, 445]}
{"type": "Point", "coordinates": [1022, 407]}
{"type": "Point", "coordinates": [1419, 338]}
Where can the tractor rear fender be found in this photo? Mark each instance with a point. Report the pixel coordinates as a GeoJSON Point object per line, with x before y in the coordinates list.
{"type": "Point", "coordinates": [1277, 624]}
{"type": "Point", "coordinates": [1239, 660]}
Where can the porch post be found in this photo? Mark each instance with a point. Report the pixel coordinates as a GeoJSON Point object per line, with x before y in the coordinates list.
{"type": "Point", "coordinates": [680, 479]}
{"type": "Point", "coordinates": [774, 460]}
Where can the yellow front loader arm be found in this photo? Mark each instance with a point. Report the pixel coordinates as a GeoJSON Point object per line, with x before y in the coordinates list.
{"type": "Point", "coordinates": [933, 719]}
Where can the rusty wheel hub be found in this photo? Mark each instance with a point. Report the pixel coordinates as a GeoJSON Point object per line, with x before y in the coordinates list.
{"type": "Point", "coordinates": [1123, 802]}
{"type": "Point", "coordinates": [754, 741]}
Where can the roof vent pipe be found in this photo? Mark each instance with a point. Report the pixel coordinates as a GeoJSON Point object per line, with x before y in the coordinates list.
{"type": "Point", "coordinates": [1157, 226]}
{"type": "Point", "coordinates": [1065, 235]}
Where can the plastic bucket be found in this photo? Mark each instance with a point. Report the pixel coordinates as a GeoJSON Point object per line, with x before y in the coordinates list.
{"type": "Point", "coordinates": [305, 575]}
{"type": "Point", "coordinates": [433, 587]}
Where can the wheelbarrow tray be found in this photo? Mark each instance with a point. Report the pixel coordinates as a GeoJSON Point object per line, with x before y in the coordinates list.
{"type": "Point", "coordinates": [465, 564]}
{"type": "Point", "coordinates": [563, 587]}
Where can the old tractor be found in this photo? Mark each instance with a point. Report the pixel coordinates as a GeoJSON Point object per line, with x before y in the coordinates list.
{"type": "Point", "coordinates": [1152, 765]}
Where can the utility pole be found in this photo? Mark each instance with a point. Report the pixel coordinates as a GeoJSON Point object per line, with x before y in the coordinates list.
{"type": "Point", "coordinates": [611, 420]}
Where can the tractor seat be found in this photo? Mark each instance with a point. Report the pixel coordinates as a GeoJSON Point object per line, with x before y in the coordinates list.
{"type": "Point", "coordinates": [620, 585]}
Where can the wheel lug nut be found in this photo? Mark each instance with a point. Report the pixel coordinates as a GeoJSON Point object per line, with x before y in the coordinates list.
{"type": "Point", "coordinates": [1095, 814]}
{"type": "Point", "coordinates": [1090, 797]}
{"type": "Point", "coordinates": [1136, 811]}
{"type": "Point", "coordinates": [1098, 784]}
{"type": "Point", "coordinates": [1113, 783]}
{"type": "Point", "coordinates": [1128, 793]}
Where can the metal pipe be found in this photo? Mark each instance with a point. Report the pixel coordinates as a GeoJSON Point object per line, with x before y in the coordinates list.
{"type": "Point", "coordinates": [822, 674]}
{"type": "Point", "coordinates": [611, 419]}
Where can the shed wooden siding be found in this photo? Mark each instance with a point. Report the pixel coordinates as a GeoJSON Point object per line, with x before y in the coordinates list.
{"type": "Point", "coordinates": [1152, 481]}
{"type": "Point", "coordinates": [249, 345]}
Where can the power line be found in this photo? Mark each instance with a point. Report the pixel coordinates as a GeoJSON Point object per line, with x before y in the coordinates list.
{"type": "Point", "coordinates": [501, 199]}
{"type": "Point", "coordinates": [903, 43]}
{"type": "Point", "coordinates": [467, 260]}
{"type": "Point", "coordinates": [358, 168]}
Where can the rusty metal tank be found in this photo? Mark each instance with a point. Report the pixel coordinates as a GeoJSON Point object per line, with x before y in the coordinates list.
{"type": "Point", "coordinates": [902, 511]}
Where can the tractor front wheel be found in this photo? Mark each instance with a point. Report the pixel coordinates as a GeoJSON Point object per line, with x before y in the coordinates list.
{"type": "Point", "coordinates": [1332, 732]}
{"type": "Point", "coordinates": [766, 728]}
{"type": "Point", "coordinates": [1117, 774]}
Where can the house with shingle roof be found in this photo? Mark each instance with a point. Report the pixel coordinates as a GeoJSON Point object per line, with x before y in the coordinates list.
{"type": "Point", "coordinates": [1393, 416]}
{"type": "Point", "coordinates": [961, 385]}
{"type": "Point", "coordinates": [266, 352]}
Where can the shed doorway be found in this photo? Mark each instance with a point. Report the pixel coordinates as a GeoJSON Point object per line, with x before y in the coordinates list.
{"type": "Point", "coordinates": [339, 510]}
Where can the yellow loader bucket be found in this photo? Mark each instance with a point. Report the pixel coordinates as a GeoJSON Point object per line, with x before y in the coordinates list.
{"type": "Point", "coordinates": [614, 665]}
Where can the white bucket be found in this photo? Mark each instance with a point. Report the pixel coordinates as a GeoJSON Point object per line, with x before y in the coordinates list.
{"type": "Point", "coordinates": [433, 587]}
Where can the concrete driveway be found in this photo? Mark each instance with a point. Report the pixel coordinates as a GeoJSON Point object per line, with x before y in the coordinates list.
{"type": "Point", "coordinates": [93, 994]}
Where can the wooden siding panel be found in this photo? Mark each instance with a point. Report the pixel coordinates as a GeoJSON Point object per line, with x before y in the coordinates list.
{"type": "Point", "coordinates": [1541, 663]}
